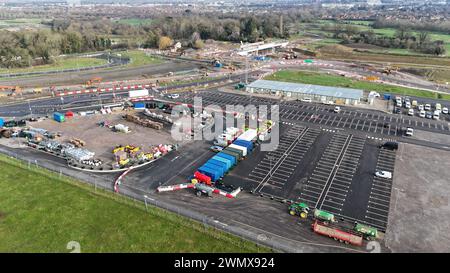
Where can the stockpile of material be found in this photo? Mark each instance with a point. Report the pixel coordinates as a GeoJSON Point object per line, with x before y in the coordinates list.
{"type": "Point", "coordinates": [157, 116]}
{"type": "Point", "coordinates": [79, 154]}
{"type": "Point", "coordinates": [144, 122]}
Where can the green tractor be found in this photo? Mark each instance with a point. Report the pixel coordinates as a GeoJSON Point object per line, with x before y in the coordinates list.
{"type": "Point", "coordinates": [239, 86]}
{"type": "Point", "coordinates": [300, 209]}
{"type": "Point", "coordinates": [369, 233]}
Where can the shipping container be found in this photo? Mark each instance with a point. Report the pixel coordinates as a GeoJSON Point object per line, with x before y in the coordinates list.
{"type": "Point", "coordinates": [219, 163]}
{"type": "Point", "coordinates": [2, 121]}
{"type": "Point", "coordinates": [243, 149]}
{"type": "Point", "coordinates": [232, 158]}
{"type": "Point", "coordinates": [58, 117]}
{"type": "Point", "coordinates": [249, 135]}
{"type": "Point", "coordinates": [224, 160]}
{"type": "Point", "coordinates": [214, 174]}
{"type": "Point", "coordinates": [219, 169]}
{"type": "Point", "coordinates": [139, 105]}
{"type": "Point", "coordinates": [244, 143]}
{"type": "Point", "coordinates": [69, 114]}
{"type": "Point", "coordinates": [236, 152]}
{"type": "Point", "coordinates": [202, 178]}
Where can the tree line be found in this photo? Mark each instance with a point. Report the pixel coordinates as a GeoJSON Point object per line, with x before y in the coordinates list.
{"type": "Point", "coordinates": [403, 38]}
{"type": "Point", "coordinates": [68, 36]}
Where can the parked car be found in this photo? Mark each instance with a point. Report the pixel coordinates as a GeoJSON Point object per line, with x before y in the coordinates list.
{"type": "Point", "coordinates": [436, 114]}
{"type": "Point", "coordinates": [429, 115]}
{"type": "Point", "coordinates": [445, 110]}
{"type": "Point", "coordinates": [409, 131]}
{"type": "Point", "coordinates": [306, 100]}
{"type": "Point", "coordinates": [438, 106]}
{"type": "Point", "coordinates": [422, 113]}
{"type": "Point", "coordinates": [216, 148]}
{"type": "Point", "coordinates": [407, 105]}
{"type": "Point", "coordinates": [384, 174]}
{"type": "Point", "coordinates": [337, 109]}
{"type": "Point", "coordinates": [420, 107]}
{"type": "Point", "coordinates": [411, 112]}
{"type": "Point", "coordinates": [397, 110]}
{"type": "Point", "coordinates": [391, 145]}
{"type": "Point", "coordinates": [427, 107]}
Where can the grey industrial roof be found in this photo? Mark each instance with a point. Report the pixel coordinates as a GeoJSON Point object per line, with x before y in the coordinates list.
{"type": "Point", "coordinates": [337, 92]}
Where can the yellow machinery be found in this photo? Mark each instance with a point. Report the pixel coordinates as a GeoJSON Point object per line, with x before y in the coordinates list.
{"type": "Point", "coordinates": [372, 78]}
{"type": "Point", "coordinates": [13, 90]}
{"type": "Point", "coordinates": [94, 82]}
{"type": "Point", "coordinates": [389, 69]}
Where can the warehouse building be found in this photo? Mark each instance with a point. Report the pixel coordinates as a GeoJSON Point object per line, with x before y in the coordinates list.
{"type": "Point", "coordinates": [316, 93]}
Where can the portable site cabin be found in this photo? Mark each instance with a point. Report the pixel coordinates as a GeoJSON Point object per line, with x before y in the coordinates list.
{"type": "Point", "coordinates": [244, 143]}
{"type": "Point", "coordinates": [238, 147]}
{"type": "Point", "coordinates": [232, 158]}
{"type": "Point", "coordinates": [234, 152]}
{"type": "Point", "coordinates": [220, 164]}
{"type": "Point", "coordinates": [224, 160]}
{"type": "Point", "coordinates": [212, 173]}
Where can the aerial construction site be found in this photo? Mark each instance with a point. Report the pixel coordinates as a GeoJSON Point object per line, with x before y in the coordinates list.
{"type": "Point", "coordinates": [297, 140]}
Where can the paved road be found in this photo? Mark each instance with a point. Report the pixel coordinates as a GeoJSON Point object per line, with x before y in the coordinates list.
{"type": "Point", "coordinates": [140, 72]}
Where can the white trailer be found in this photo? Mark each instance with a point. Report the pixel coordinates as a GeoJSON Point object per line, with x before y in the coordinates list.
{"type": "Point", "coordinates": [138, 93]}
{"type": "Point", "coordinates": [249, 135]}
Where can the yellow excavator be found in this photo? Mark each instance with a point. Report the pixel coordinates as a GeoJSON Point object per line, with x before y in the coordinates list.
{"type": "Point", "coordinates": [10, 90]}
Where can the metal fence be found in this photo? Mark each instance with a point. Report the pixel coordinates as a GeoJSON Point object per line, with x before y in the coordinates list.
{"type": "Point", "coordinates": [130, 194]}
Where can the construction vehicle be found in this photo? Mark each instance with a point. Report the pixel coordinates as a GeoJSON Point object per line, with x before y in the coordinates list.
{"type": "Point", "coordinates": [300, 209]}
{"type": "Point", "coordinates": [324, 216]}
{"type": "Point", "coordinates": [372, 78]}
{"type": "Point", "coordinates": [201, 189]}
{"type": "Point", "coordinates": [337, 234]}
{"type": "Point", "coordinates": [93, 83]}
{"type": "Point", "coordinates": [390, 69]}
{"type": "Point", "coordinates": [12, 90]}
{"type": "Point", "coordinates": [239, 86]}
{"type": "Point", "coordinates": [37, 90]}
{"type": "Point", "coordinates": [369, 233]}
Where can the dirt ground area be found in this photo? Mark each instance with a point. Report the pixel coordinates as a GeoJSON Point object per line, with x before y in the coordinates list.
{"type": "Point", "coordinates": [102, 140]}
{"type": "Point", "coordinates": [419, 212]}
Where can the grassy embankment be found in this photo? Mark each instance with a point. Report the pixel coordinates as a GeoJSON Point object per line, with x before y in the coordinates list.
{"type": "Point", "coordinates": [339, 81]}
{"type": "Point", "coordinates": [42, 212]}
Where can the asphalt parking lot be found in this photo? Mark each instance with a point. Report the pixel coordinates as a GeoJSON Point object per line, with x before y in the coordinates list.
{"type": "Point", "coordinates": [369, 121]}
{"type": "Point", "coordinates": [326, 169]}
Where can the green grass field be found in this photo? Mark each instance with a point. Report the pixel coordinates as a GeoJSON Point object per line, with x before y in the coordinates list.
{"type": "Point", "coordinates": [333, 80]}
{"type": "Point", "coordinates": [59, 64]}
{"type": "Point", "coordinates": [389, 32]}
{"type": "Point", "coordinates": [138, 58]}
{"type": "Point", "coordinates": [42, 212]}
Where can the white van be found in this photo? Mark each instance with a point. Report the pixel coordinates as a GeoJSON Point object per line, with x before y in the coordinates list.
{"type": "Point", "coordinates": [436, 114]}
